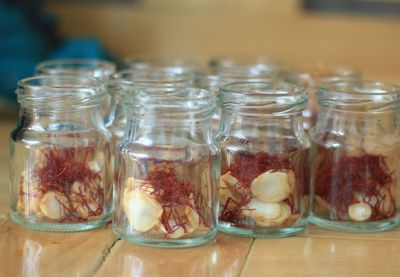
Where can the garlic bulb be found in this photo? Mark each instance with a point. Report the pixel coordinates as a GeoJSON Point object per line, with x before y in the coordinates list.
{"type": "Point", "coordinates": [271, 187]}
{"type": "Point", "coordinates": [142, 210]}
{"type": "Point", "coordinates": [359, 211]}
{"type": "Point", "coordinates": [268, 214]}
{"type": "Point", "coordinates": [52, 205]}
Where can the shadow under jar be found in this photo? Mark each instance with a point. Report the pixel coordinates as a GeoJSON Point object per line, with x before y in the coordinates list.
{"type": "Point", "coordinates": [356, 141]}
{"type": "Point", "coordinates": [59, 155]}
{"type": "Point", "coordinates": [167, 169]}
{"type": "Point", "coordinates": [264, 183]}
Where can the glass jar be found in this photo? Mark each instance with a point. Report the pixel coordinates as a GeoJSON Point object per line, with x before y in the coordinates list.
{"type": "Point", "coordinates": [260, 64]}
{"type": "Point", "coordinates": [264, 175]}
{"type": "Point", "coordinates": [93, 68]}
{"type": "Point", "coordinates": [355, 172]}
{"type": "Point", "coordinates": [146, 78]}
{"type": "Point", "coordinates": [310, 78]}
{"type": "Point", "coordinates": [177, 66]}
{"type": "Point", "coordinates": [59, 155]}
{"type": "Point", "coordinates": [167, 170]}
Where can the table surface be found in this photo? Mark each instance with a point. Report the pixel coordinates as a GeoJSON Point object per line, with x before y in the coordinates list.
{"type": "Point", "coordinates": [313, 253]}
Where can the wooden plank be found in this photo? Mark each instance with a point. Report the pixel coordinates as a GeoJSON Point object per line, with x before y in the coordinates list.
{"type": "Point", "coordinates": [298, 256]}
{"type": "Point", "coordinates": [313, 231]}
{"type": "Point", "coordinates": [225, 257]}
{"type": "Point", "coordinates": [32, 253]}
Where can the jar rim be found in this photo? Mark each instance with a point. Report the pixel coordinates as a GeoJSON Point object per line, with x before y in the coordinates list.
{"type": "Point", "coordinates": [90, 67]}
{"type": "Point", "coordinates": [260, 62]}
{"type": "Point", "coordinates": [324, 72]}
{"type": "Point", "coordinates": [57, 91]}
{"type": "Point", "coordinates": [263, 88]}
{"type": "Point", "coordinates": [164, 63]}
{"type": "Point", "coordinates": [360, 88]}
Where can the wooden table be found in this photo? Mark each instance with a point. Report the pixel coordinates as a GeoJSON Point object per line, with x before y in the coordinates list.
{"type": "Point", "coordinates": [100, 253]}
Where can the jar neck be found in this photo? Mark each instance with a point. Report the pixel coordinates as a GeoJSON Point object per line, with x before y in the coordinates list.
{"type": "Point", "coordinates": [49, 119]}
{"type": "Point", "coordinates": [252, 126]}
{"type": "Point", "coordinates": [345, 122]}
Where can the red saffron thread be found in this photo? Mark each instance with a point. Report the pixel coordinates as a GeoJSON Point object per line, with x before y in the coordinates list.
{"type": "Point", "coordinates": [342, 180]}
{"type": "Point", "coordinates": [62, 168]}
{"type": "Point", "coordinates": [174, 194]}
{"type": "Point", "coordinates": [245, 167]}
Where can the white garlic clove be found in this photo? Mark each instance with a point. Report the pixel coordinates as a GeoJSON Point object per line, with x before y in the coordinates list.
{"type": "Point", "coordinates": [133, 183]}
{"type": "Point", "coordinates": [359, 211]}
{"type": "Point", "coordinates": [230, 187]}
{"type": "Point", "coordinates": [178, 231]}
{"type": "Point", "coordinates": [142, 210]}
{"type": "Point", "coordinates": [98, 162]}
{"type": "Point", "coordinates": [271, 187]}
{"type": "Point", "coordinates": [268, 214]}
{"type": "Point", "coordinates": [53, 205]}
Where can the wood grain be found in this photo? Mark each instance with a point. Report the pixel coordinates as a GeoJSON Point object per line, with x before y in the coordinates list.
{"type": "Point", "coordinates": [224, 257]}
{"type": "Point", "coordinates": [31, 253]}
{"type": "Point", "coordinates": [299, 256]}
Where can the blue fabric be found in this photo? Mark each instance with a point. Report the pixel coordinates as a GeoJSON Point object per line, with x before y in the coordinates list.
{"type": "Point", "coordinates": [28, 36]}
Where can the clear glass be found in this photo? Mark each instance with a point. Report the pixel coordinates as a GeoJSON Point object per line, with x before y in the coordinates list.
{"type": "Point", "coordinates": [310, 78]}
{"type": "Point", "coordinates": [146, 78]}
{"type": "Point", "coordinates": [177, 66]}
{"type": "Point", "coordinates": [92, 68]}
{"type": "Point", "coordinates": [59, 155]}
{"type": "Point", "coordinates": [355, 172]}
{"type": "Point", "coordinates": [214, 78]}
{"type": "Point", "coordinates": [167, 170]}
{"type": "Point", "coordinates": [261, 64]}
{"type": "Point", "coordinates": [264, 184]}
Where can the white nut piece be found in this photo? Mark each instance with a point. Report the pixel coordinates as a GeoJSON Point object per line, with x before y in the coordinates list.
{"type": "Point", "coordinates": [142, 210]}
{"type": "Point", "coordinates": [268, 214]}
{"type": "Point", "coordinates": [98, 162]}
{"type": "Point", "coordinates": [271, 187]}
{"type": "Point", "coordinates": [53, 205]}
{"type": "Point", "coordinates": [229, 187]}
{"type": "Point", "coordinates": [359, 211]}
{"type": "Point", "coordinates": [178, 231]}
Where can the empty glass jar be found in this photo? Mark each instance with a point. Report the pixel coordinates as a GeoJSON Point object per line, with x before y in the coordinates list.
{"type": "Point", "coordinates": [169, 65]}
{"type": "Point", "coordinates": [59, 155]}
{"type": "Point", "coordinates": [167, 169]}
{"type": "Point", "coordinates": [356, 141]}
{"type": "Point", "coordinates": [264, 183]}
{"type": "Point", "coordinates": [310, 78]}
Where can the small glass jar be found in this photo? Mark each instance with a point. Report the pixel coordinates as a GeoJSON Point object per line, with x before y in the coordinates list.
{"type": "Point", "coordinates": [92, 68]}
{"type": "Point", "coordinates": [260, 64]}
{"type": "Point", "coordinates": [310, 78]}
{"type": "Point", "coordinates": [355, 172]}
{"type": "Point", "coordinates": [264, 176]}
{"type": "Point", "coordinates": [59, 155]}
{"type": "Point", "coordinates": [167, 169]}
{"type": "Point", "coordinates": [145, 78]}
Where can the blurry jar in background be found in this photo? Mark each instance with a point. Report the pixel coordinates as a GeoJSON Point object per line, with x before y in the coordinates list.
{"type": "Point", "coordinates": [92, 68]}
{"type": "Point", "coordinates": [59, 155]}
{"type": "Point", "coordinates": [226, 71]}
{"type": "Point", "coordinates": [146, 78]}
{"type": "Point", "coordinates": [176, 66]}
{"type": "Point", "coordinates": [258, 64]}
{"type": "Point", "coordinates": [167, 169]}
{"type": "Point", "coordinates": [356, 145]}
{"type": "Point", "coordinates": [310, 78]}
{"type": "Point", "coordinates": [264, 183]}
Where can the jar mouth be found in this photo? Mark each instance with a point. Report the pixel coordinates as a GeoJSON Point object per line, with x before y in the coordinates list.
{"type": "Point", "coordinates": [178, 101]}
{"type": "Point", "coordinates": [257, 63]}
{"type": "Point", "coordinates": [60, 90]}
{"type": "Point", "coordinates": [263, 99]}
{"type": "Point", "coordinates": [170, 65]}
{"type": "Point", "coordinates": [320, 74]}
{"type": "Point", "coordinates": [374, 96]}
{"type": "Point", "coordinates": [151, 77]}
{"type": "Point", "coordinates": [77, 67]}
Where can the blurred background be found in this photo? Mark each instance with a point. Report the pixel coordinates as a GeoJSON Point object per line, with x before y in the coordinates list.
{"type": "Point", "coordinates": [364, 34]}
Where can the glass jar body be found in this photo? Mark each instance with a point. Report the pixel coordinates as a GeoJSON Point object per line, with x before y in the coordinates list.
{"type": "Point", "coordinates": [165, 193]}
{"type": "Point", "coordinates": [264, 177]}
{"type": "Point", "coordinates": [60, 179]}
{"type": "Point", "coordinates": [355, 171]}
